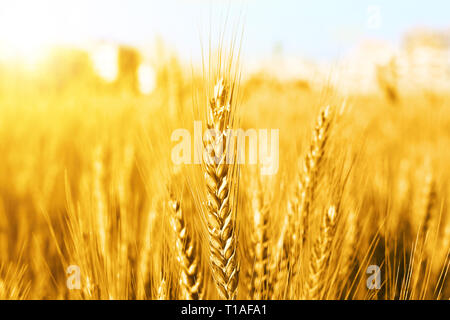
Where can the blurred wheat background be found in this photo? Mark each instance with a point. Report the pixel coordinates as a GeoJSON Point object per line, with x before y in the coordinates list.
{"type": "Point", "coordinates": [87, 178]}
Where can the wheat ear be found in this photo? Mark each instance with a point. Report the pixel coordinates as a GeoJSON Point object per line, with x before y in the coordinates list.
{"type": "Point", "coordinates": [279, 268]}
{"type": "Point", "coordinates": [348, 249]}
{"type": "Point", "coordinates": [421, 252]}
{"type": "Point", "coordinates": [260, 246]}
{"type": "Point", "coordinates": [299, 206]}
{"type": "Point", "coordinates": [162, 293]}
{"type": "Point", "coordinates": [220, 217]}
{"type": "Point", "coordinates": [321, 255]}
{"type": "Point", "coordinates": [187, 255]}
{"type": "Point", "coordinates": [429, 196]}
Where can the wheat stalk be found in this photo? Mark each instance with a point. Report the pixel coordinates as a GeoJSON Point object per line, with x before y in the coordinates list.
{"type": "Point", "coordinates": [219, 183]}
{"type": "Point", "coordinates": [321, 255]}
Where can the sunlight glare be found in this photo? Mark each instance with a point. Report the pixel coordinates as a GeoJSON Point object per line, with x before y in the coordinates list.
{"type": "Point", "coordinates": [146, 76]}
{"type": "Point", "coordinates": [27, 28]}
{"type": "Point", "coordinates": [105, 59]}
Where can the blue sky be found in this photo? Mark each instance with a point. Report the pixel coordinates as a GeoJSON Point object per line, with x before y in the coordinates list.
{"type": "Point", "coordinates": [315, 29]}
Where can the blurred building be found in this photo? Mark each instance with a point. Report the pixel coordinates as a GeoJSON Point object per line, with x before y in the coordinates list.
{"type": "Point", "coordinates": [422, 62]}
{"type": "Point", "coordinates": [122, 66]}
{"type": "Point", "coordinates": [104, 57]}
{"type": "Point", "coordinates": [128, 64]}
{"type": "Point", "coordinates": [359, 69]}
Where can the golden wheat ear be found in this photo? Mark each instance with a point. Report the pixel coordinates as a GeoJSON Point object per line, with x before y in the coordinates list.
{"type": "Point", "coordinates": [421, 255]}
{"type": "Point", "coordinates": [162, 293]}
{"type": "Point", "coordinates": [220, 184]}
{"type": "Point", "coordinates": [310, 170]}
{"type": "Point", "coordinates": [321, 255]}
{"type": "Point", "coordinates": [186, 254]}
{"type": "Point", "coordinates": [259, 280]}
{"type": "Point", "coordinates": [299, 205]}
{"type": "Point", "coordinates": [348, 248]}
{"type": "Point", "coordinates": [279, 266]}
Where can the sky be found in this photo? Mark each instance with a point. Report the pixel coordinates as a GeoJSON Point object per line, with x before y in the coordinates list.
{"type": "Point", "coordinates": [320, 29]}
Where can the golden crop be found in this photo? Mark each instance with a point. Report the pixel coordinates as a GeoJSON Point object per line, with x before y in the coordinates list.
{"type": "Point", "coordinates": [88, 188]}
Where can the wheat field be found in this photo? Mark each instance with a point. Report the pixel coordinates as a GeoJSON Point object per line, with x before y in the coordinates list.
{"type": "Point", "coordinates": [92, 205]}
